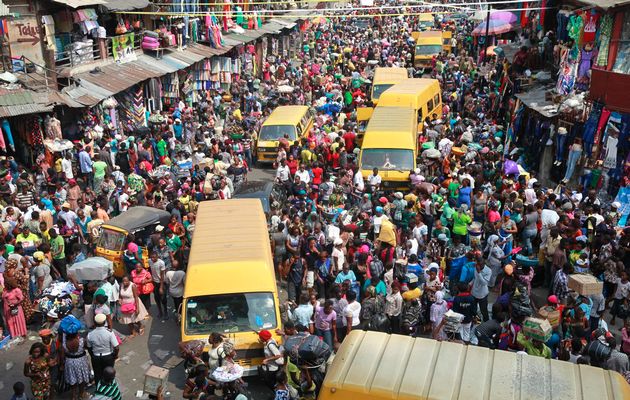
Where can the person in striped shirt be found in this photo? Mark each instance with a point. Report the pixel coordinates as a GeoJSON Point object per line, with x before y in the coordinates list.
{"type": "Point", "coordinates": [107, 387]}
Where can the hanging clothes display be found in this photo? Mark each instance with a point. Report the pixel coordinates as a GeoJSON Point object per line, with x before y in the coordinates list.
{"type": "Point", "coordinates": [567, 72]}
{"type": "Point", "coordinates": [132, 110]}
{"type": "Point", "coordinates": [591, 17]}
{"type": "Point", "coordinates": [170, 88]}
{"type": "Point", "coordinates": [6, 127]}
{"type": "Point", "coordinates": [605, 30]}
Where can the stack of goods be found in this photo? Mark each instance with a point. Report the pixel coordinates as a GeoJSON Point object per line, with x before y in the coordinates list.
{"type": "Point", "coordinates": [306, 350]}
{"type": "Point", "coordinates": [170, 88]}
{"type": "Point", "coordinates": [453, 321]}
{"type": "Point", "coordinates": [585, 284]}
{"type": "Point", "coordinates": [150, 40]}
{"type": "Point", "coordinates": [81, 52]}
{"type": "Point", "coordinates": [86, 19]}
{"type": "Point", "coordinates": [537, 329]}
{"type": "Point", "coordinates": [60, 297]}
{"type": "Point", "coordinates": [551, 314]}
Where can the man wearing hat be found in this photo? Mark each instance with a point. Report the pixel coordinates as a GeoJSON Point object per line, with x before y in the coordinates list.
{"type": "Point", "coordinates": [103, 347]}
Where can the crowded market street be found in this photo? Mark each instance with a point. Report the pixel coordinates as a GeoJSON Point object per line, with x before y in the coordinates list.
{"type": "Point", "coordinates": [315, 200]}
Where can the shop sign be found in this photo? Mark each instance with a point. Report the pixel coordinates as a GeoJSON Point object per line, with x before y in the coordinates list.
{"type": "Point", "coordinates": [24, 39]}
{"type": "Point", "coordinates": [122, 48]}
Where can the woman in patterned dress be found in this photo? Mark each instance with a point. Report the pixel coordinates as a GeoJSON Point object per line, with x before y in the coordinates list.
{"type": "Point", "coordinates": [37, 368]}
{"type": "Point", "coordinates": [75, 365]}
{"type": "Point", "coordinates": [21, 278]}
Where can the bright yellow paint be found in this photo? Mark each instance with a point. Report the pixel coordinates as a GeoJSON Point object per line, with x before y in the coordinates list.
{"type": "Point", "coordinates": [428, 45]}
{"type": "Point", "coordinates": [297, 119]}
{"type": "Point", "coordinates": [391, 135]}
{"type": "Point", "coordinates": [421, 95]}
{"type": "Point", "coordinates": [384, 78]}
{"type": "Point", "coordinates": [377, 366]}
{"type": "Point", "coordinates": [231, 254]}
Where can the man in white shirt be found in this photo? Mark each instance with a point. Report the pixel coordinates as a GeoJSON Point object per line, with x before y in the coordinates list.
{"type": "Point", "coordinates": [283, 173]}
{"type": "Point", "coordinates": [67, 215]}
{"type": "Point", "coordinates": [374, 180]}
{"type": "Point", "coordinates": [359, 184]}
{"type": "Point", "coordinates": [304, 175]}
{"type": "Point", "coordinates": [66, 166]}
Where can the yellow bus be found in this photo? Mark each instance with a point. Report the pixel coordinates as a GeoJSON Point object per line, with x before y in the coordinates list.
{"type": "Point", "coordinates": [446, 41]}
{"type": "Point", "coordinates": [390, 144]}
{"type": "Point", "coordinates": [428, 45]}
{"type": "Point", "coordinates": [420, 94]}
{"type": "Point", "coordinates": [384, 78]}
{"type": "Point", "coordinates": [426, 21]}
{"type": "Point", "coordinates": [378, 366]}
{"type": "Point", "coordinates": [293, 122]}
{"type": "Point", "coordinates": [230, 285]}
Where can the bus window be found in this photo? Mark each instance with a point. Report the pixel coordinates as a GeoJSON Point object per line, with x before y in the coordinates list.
{"type": "Point", "coordinates": [437, 99]}
{"type": "Point", "coordinates": [430, 105]}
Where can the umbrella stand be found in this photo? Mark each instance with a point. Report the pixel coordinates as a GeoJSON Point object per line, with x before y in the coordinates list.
{"type": "Point", "coordinates": [485, 42]}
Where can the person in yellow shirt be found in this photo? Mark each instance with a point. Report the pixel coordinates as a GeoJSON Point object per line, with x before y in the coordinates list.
{"type": "Point", "coordinates": [414, 291]}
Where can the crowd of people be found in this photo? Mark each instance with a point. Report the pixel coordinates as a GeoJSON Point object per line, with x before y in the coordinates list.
{"type": "Point", "coordinates": [464, 237]}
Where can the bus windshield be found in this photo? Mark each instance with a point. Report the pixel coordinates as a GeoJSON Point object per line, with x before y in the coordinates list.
{"type": "Point", "coordinates": [277, 132]}
{"type": "Point", "coordinates": [230, 313]}
{"type": "Point", "coordinates": [387, 159]}
{"type": "Point", "coordinates": [428, 49]}
{"type": "Point", "coordinates": [377, 90]}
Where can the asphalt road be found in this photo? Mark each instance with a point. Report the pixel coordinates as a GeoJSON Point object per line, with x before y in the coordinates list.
{"type": "Point", "coordinates": [155, 347]}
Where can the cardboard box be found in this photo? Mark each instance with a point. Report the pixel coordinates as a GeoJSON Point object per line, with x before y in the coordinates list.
{"type": "Point", "coordinates": [154, 378]}
{"type": "Point", "coordinates": [585, 284]}
{"type": "Point", "coordinates": [536, 328]}
{"type": "Point", "coordinates": [550, 314]}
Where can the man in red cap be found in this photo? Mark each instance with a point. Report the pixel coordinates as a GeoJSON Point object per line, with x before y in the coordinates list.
{"type": "Point", "coordinates": [273, 361]}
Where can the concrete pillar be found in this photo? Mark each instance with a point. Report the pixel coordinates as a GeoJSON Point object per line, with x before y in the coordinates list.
{"type": "Point", "coordinates": [51, 69]}
{"type": "Point", "coordinates": [102, 48]}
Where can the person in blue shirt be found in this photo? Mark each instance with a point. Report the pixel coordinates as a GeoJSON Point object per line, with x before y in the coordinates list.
{"type": "Point", "coordinates": [414, 267]}
{"type": "Point", "coordinates": [178, 129]}
{"type": "Point", "coordinates": [345, 275]}
{"type": "Point", "coordinates": [378, 284]}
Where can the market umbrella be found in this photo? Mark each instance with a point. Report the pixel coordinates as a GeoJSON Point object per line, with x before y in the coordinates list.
{"type": "Point", "coordinates": [285, 89]}
{"type": "Point", "coordinates": [319, 20]}
{"type": "Point", "coordinates": [92, 269]}
{"type": "Point", "coordinates": [500, 22]}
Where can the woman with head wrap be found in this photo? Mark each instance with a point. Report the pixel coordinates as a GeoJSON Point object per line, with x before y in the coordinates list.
{"type": "Point", "coordinates": [438, 309]}
{"type": "Point", "coordinates": [22, 281]}
{"type": "Point", "coordinates": [494, 258]}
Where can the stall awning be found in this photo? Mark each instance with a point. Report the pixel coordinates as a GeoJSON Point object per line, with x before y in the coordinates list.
{"type": "Point", "coordinates": [125, 5]}
{"type": "Point", "coordinates": [105, 81]}
{"type": "Point", "coordinates": [535, 99]}
{"type": "Point", "coordinates": [605, 4]}
{"type": "Point", "coordinates": [80, 3]}
{"type": "Point", "coordinates": [22, 101]}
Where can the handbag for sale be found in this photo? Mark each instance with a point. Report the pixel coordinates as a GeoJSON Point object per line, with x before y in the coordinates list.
{"type": "Point", "coordinates": [128, 308]}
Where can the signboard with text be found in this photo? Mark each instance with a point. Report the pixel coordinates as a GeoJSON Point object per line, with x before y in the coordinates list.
{"type": "Point", "coordinates": [122, 48]}
{"type": "Point", "coordinates": [25, 39]}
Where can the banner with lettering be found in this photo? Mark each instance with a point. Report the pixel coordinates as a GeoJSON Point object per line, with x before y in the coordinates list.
{"type": "Point", "coordinates": [122, 48]}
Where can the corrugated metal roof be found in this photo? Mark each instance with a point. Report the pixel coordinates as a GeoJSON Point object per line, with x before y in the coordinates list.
{"type": "Point", "coordinates": [23, 109]}
{"type": "Point", "coordinates": [124, 5]}
{"type": "Point", "coordinates": [80, 3]}
{"type": "Point", "coordinates": [22, 101]}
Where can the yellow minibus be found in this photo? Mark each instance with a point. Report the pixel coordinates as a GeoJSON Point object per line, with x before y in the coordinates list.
{"type": "Point", "coordinates": [384, 78]}
{"type": "Point", "coordinates": [390, 145]}
{"type": "Point", "coordinates": [378, 366]}
{"type": "Point", "coordinates": [420, 94]}
{"type": "Point", "coordinates": [230, 285]}
{"type": "Point", "coordinates": [426, 21]}
{"type": "Point", "coordinates": [428, 45]}
{"type": "Point", "coordinates": [293, 122]}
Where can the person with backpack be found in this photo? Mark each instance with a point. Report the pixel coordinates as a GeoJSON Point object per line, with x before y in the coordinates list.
{"type": "Point", "coordinates": [274, 359]}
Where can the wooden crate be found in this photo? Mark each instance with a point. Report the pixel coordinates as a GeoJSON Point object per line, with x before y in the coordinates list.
{"type": "Point", "coordinates": [154, 378]}
{"type": "Point", "coordinates": [585, 284]}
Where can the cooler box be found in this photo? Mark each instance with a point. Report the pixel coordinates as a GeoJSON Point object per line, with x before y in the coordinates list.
{"type": "Point", "coordinates": [585, 284]}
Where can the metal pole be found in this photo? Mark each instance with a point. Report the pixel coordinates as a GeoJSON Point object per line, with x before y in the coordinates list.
{"type": "Point", "coordinates": [485, 42]}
